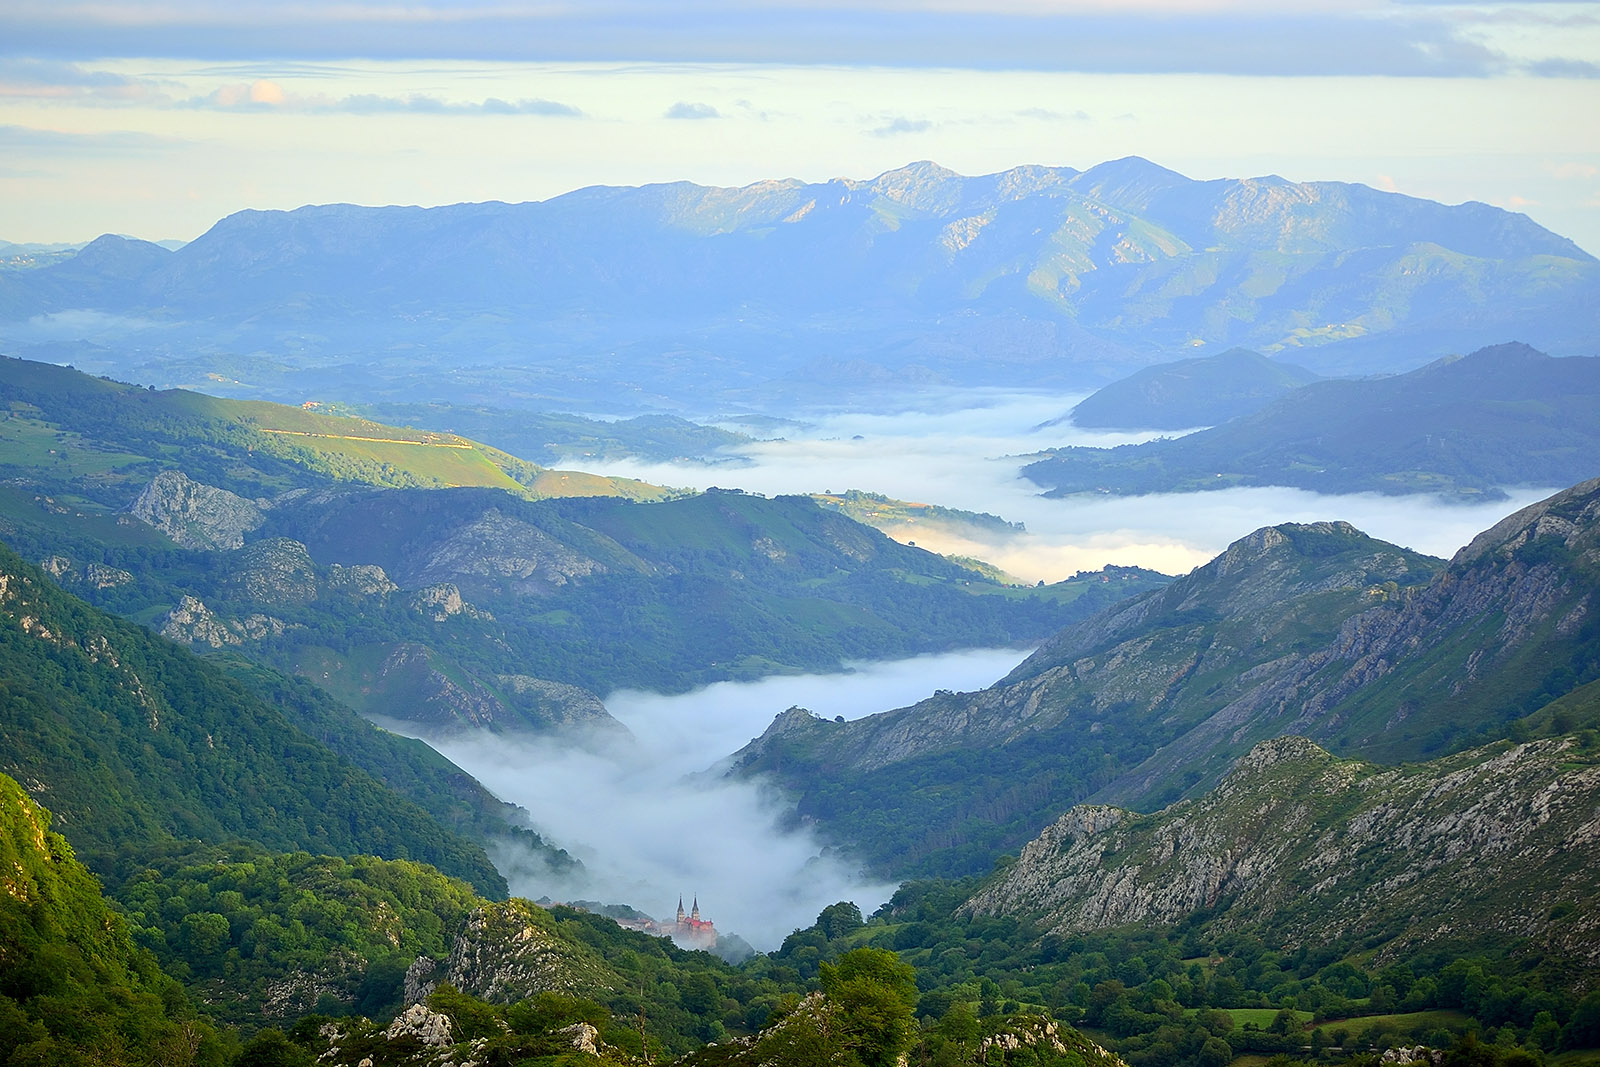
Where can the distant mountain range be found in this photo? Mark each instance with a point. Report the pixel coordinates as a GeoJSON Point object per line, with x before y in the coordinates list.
{"type": "Point", "coordinates": [1502, 416]}
{"type": "Point", "coordinates": [687, 296]}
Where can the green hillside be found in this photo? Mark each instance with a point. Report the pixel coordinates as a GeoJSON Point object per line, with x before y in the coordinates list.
{"type": "Point", "coordinates": [137, 742]}
{"type": "Point", "coordinates": [102, 441]}
{"type": "Point", "coordinates": [74, 988]}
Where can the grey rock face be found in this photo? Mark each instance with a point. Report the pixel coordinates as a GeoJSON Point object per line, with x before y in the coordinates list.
{"type": "Point", "coordinates": [196, 515]}
{"type": "Point", "coordinates": [195, 624]}
{"type": "Point", "coordinates": [277, 572]}
{"type": "Point", "coordinates": [506, 954]}
{"type": "Point", "coordinates": [440, 602]}
{"type": "Point", "coordinates": [421, 979]}
{"type": "Point", "coordinates": [361, 579]}
{"type": "Point", "coordinates": [418, 1021]}
{"type": "Point", "coordinates": [1314, 848]}
{"type": "Point", "coordinates": [498, 548]}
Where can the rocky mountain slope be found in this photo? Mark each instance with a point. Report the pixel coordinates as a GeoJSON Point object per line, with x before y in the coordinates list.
{"type": "Point", "coordinates": [1494, 846]}
{"type": "Point", "coordinates": [1032, 276]}
{"type": "Point", "coordinates": [1094, 701]}
{"type": "Point", "coordinates": [1505, 415]}
{"type": "Point", "coordinates": [1314, 630]}
{"type": "Point", "coordinates": [245, 528]}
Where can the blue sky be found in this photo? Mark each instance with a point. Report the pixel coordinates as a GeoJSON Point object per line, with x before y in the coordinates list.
{"type": "Point", "coordinates": [156, 119]}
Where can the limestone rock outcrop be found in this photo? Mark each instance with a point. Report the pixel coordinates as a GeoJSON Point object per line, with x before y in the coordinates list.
{"type": "Point", "coordinates": [196, 515]}
{"type": "Point", "coordinates": [1486, 844]}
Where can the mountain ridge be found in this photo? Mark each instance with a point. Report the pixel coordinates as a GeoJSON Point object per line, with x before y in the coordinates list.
{"type": "Point", "coordinates": [1309, 849]}
{"type": "Point", "coordinates": [1503, 415]}
{"type": "Point", "coordinates": [1039, 275]}
{"type": "Point", "coordinates": [1310, 629]}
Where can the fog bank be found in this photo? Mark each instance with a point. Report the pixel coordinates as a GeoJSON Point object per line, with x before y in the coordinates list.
{"type": "Point", "coordinates": [648, 826]}
{"type": "Point", "coordinates": [959, 458]}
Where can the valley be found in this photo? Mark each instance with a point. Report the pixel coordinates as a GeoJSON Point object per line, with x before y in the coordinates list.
{"type": "Point", "coordinates": [874, 564]}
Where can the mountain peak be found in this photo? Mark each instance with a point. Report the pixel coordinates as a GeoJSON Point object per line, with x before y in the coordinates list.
{"type": "Point", "coordinates": [923, 186]}
{"type": "Point", "coordinates": [1131, 182]}
{"type": "Point", "coordinates": [1570, 517]}
{"type": "Point", "coordinates": [1306, 539]}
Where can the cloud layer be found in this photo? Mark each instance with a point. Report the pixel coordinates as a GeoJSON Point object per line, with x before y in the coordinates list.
{"type": "Point", "coordinates": [649, 824]}
{"type": "Point", "coordinates": [1168, 36]}
{"type": "Point", "coordinates": [943, 450]}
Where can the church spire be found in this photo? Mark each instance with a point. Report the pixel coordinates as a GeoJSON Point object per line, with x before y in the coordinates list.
{"type": "Point", "coordinates": [695, 914]}
{"type": "Point", "coordinates": [680, 909]}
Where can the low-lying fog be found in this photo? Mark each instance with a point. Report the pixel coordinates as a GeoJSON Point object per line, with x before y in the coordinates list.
{"type": "Point", "coordinates": [649, 826]}
{"type": "Point", "coordinates": [956, 456]}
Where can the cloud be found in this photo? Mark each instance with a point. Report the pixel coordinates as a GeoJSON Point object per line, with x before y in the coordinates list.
{"type": "Point", "coordinates": [901, 125]}
{"type": "Point", "coordinates": [110, 143]}
{"type": "Point", "coordinates": [964, 450]}
{"type": "Point", "coordinates": [1046, 115]}
{"type": "Point", "coordinates": [1168, 37]}
{"type": "Point", "coordinates": [1556, 67]}
{"type": "Point", "coordinates": [51, 80]}
{"type": "Point", "coordinates": [1570, 171]}
{"type": "Point", "coordinates": [652, 824]}
{"type": "Point", "coordinates": [683, 109]}
{"type": "Point", "coordinates": [267, 95]}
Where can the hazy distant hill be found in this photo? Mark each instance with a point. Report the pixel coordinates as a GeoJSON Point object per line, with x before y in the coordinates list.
{"type": "Point", "coordinates": [680, 294]}
{"type": "Point", "coordinates": [1503, 416]}
{"type": "Point", "coordinates": [1191, 392]}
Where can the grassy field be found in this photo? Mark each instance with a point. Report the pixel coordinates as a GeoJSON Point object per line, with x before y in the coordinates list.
{"type": "Point", "coordinates": [1401, 1022]}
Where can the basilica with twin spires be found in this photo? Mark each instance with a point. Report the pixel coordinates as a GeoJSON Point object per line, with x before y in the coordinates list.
{"type": "Point", "coordinates": [691, 931]}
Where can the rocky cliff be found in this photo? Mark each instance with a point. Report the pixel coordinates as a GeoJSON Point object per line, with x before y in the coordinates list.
{"type": "Point", "coordinates": [509, 951]}
{"type": "Point", "coordinates": [196, 515]}
{"type": "Point", "coordinates": [1493, 845]}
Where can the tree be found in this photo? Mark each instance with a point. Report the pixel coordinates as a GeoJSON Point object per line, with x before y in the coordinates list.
{"type": "Point", "coordinates": [270, 1048]}
{"type": "Point", "coordinates": [839, 919]}
{"type": "Point", "coordinates": [874, 994]}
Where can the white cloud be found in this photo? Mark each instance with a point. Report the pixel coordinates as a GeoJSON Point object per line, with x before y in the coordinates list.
{"type": "Point", "coordinates": [648, 825]}
{"type": "Point", "coordinates": [969, 458]}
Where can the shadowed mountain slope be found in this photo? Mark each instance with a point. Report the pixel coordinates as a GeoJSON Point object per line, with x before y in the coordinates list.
{"type": "Point", "coordinates": [136, 741]}
{"type": "Point", "coordinates": [1314, 630]}
{"type": "Point", "coordinates": [1191, 392]}
{"type": "Point", "coordinates": [1506, 415]}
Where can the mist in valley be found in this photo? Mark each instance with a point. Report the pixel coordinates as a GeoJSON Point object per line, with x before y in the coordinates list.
{"type": "Point", "coordinates": [970, 457]}
{"type": "Point", "coordinates": [653, 819]}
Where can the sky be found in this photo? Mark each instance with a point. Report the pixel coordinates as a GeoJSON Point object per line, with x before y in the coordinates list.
{"type": "Point", "coordinates": [156, 119]}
